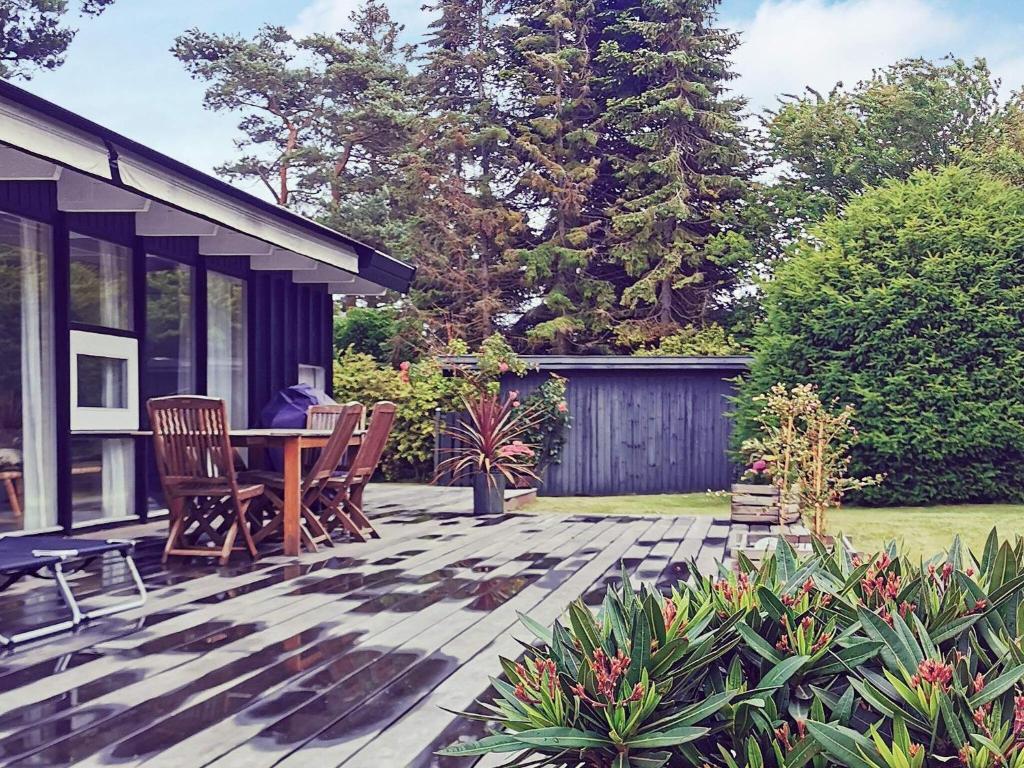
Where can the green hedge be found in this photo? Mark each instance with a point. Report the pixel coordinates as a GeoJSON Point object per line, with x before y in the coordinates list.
{"type": "Point", "coordinates": [910, 307]}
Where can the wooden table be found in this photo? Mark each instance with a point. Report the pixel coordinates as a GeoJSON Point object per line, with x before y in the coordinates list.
{"type": "Point", "coordinates": [291, 442]}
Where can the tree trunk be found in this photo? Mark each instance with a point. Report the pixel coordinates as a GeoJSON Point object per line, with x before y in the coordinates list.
{"type": "Point", "coordinates": [665, 302]}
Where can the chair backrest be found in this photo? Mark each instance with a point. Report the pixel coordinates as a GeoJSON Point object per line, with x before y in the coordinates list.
{"type": "Point", "coordinates": [382, 417]}
{"type": "Point", "coordinates": [191, 437]}
{"type": "Point", "coordinates": [330, 457]}
{"type": "Point", "coordinates": [325, 416]}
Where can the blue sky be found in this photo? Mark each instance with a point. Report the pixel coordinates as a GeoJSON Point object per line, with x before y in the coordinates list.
{"type": "Point", "coordinates": [119, 71]}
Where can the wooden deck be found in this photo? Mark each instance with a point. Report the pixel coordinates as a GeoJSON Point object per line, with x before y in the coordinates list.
{"type": "Point", "coordinates": [344, 657]}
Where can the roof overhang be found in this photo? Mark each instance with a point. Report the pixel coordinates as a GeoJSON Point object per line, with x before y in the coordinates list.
{"type": "Point", "coordinates": [97, 169]}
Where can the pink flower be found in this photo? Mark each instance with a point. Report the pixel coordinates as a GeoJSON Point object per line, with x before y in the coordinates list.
{"type": "Point", "coordinates": [513, 395]}
{"type": "Point", "coordinates": [759, 466]}
{"type": "Point", "coordinates": [515, 403]}
{"type": "Point", "coordinates": [404, 365]}
{"type": "Point", "coordinates": [516, 448]}
{"type": "Point", "coordinates": [503, 366]}
{"type": "Point", "coordinates": [562, 407]}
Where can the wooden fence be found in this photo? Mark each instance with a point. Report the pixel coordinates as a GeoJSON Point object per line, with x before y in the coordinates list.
{"type": "Point", "coordinates": [639, 424]}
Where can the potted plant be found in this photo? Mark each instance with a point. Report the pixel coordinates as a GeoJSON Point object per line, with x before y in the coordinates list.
{"type": "Point", "coordinates": [491, 447]}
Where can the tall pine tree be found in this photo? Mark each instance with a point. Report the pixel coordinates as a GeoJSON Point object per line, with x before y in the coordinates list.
{"type": "Point", "coordinates": [462, 177]}
{"type": "Point", "coordinates": [675, 151]}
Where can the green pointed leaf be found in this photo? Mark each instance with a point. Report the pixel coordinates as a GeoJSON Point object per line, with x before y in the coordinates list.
{"type": "Point", "coordinates": [487, 745]}
{"type": "Point", "coordinates": [562, 738]}
{"type": "Point", "coordinates": [842, 744]}
{"type": "Point", "coordinates": [669, 738]}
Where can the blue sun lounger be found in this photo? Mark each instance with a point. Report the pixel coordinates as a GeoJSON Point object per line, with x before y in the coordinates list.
{"type": "Point", "coordinates": [53, 557]}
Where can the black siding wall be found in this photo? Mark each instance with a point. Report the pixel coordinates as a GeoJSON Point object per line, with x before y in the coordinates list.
{"type": "Point", "coordinates": [289, 324]}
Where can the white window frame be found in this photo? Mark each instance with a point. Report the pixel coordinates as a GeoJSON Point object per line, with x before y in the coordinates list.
{"type": "Point", "coordinates": [314, 375]}
{"type": "Point", "coordinates": [121, 348]}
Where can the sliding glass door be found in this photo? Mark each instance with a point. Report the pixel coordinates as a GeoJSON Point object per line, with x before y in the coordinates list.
{"type": "Point", "coordinates": [104, 379]}
{"type": "Point", "coordinates": [27, 432]}
{"type": "Point", "coordinates": [227, 345]}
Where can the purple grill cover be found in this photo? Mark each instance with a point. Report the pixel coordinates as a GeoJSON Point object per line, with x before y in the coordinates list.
{"type": "Point", "coordinates": [287, 409]}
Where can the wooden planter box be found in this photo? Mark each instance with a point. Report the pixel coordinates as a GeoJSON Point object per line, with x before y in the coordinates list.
{"type": "Point", "coordinates": [760, 505]}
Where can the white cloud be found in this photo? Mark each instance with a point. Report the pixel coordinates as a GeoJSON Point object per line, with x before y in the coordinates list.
{"type": "Point", "coordinates": [790, 44]}
{"type": "Point", "coordinates": [323, 16]}
{"type": "Point", "coordinates": [331, 15]}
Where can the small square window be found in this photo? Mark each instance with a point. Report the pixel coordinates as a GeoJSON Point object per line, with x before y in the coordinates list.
{"type": "Point", "coordinates": [104, 382]}
{"type": "Point", "coordinates": [313, 375]}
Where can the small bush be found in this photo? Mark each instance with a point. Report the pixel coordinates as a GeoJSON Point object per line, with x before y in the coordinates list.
{"type": "Point", "coordinates": [822, 661]}
{"type": "Point", "coordinates": [366, 330]}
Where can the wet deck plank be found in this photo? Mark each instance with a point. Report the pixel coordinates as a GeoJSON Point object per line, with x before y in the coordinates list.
{"type": "Point", "coordinates": [342, 657]}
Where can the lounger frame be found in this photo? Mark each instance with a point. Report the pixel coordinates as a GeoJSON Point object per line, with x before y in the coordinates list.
{"type": "Point", "coordinates": [52, 566]}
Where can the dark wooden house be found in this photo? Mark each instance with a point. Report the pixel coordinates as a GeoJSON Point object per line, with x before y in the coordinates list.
{"type": "Point", "coordinates": [124, 275]}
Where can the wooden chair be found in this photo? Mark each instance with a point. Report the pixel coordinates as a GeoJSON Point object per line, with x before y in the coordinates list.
{"type": "Point", "coordinates": [342, 501]}
{"type": "Point", "coordinates": [11, 479]}
{"type": "Point", "coordinates": [324, 416]}
{"type": "Point", "coordinates": [197, 471]}
{"type": "Point", "coordinates": [311, 530]}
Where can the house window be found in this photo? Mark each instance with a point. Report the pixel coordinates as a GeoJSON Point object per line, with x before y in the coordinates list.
{"type": "Point", "coordinates": [101, 283]}
{"type": "Point", "coordinates": [227, 340]}
{"type": "Point", "coordinates": [27, 405]}
{"type": "Point", "coordinates": [104, 382]}
{"type": "Point", "coordinates": [169, 345]}
{"type": "Point", "coordinates": [104, 379]}
{"type": "Point", "coordinates": [170, 328]}
{"type": "Point", "coordinates": [102, 478]}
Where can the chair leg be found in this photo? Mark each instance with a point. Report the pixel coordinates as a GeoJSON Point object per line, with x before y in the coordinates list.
{"type": "Point", "coordinates": [229, 543]}
{"type": "Point", "coordinates": [243, 524]}
{"type": "Point", "coordinates": [360, 520]}
{"type": "Point", "coordinates": [317, 532]}
{"type": "Point", "coordinates": [12, 498]}
{"type": "Point", "coordinates": [174, 535]}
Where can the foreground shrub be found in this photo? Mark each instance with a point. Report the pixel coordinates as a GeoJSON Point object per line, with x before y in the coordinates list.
{"type": "Point", "coordinates": [909, 308]}
{"type": "Point", "coordinates": [824, 661]}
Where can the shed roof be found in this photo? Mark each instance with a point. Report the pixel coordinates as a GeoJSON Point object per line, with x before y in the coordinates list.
{"type": "Point", "coordinates": [737, 363]}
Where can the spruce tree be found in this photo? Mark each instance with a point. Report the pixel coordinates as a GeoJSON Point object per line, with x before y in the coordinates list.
{"type": "Point", "coordinates": [557, 134]}
{"type": "Point", "coordinates": [676, 159]}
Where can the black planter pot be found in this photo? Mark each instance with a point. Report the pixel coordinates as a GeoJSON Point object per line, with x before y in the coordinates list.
{"type": "Point", "coordinates": [488, 494]}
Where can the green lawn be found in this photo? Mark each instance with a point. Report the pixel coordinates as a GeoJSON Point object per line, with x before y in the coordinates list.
{"type": "Point", "coordinates": [922, 531]}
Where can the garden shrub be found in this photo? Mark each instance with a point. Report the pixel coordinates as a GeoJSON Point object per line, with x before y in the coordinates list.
{"type": "Point", "coordinates": [910, 307]}
{"type": "Point", "coordinates": [421, 388]}
{"type": "Point", "coordinates": [418, 389]}
{"type": "Point", "coordinates": [822, 661]}
{"type": "Point", "coordinates": [690, 341]}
